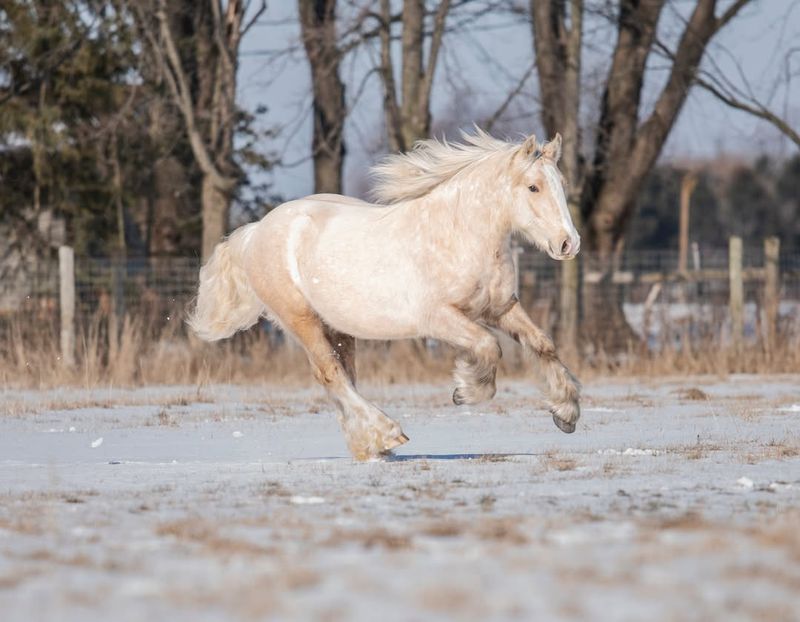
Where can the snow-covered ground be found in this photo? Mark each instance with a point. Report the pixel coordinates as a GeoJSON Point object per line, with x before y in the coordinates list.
{"type": "Point", "coordinates": [674, 500]}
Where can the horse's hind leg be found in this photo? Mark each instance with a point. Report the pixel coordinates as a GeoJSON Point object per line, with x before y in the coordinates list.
{"type": "Point", "coordinates": [476, 365]}
{"type": "Point", "coordinates": [369, 432]}
{"type": "Point", "coordinates": [344, 346]}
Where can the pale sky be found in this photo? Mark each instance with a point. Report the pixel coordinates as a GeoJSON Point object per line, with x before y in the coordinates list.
{"type": "Point", "coordinates": [479, 66]}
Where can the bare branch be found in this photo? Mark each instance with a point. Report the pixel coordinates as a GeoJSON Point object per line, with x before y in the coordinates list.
{"type": "Point", "coordinates": [754, 108]}
{"type": "Point", "coordinates": [436, 43]}
{"type": "Point", "coordinates": [178, 83]}
{"type": "Point", "coordinates": [731, 12]}
{"type": "Point", "coordinates": [259, 12]}
{"type": "Point", "coordinates": [489, 123]}
{"type": "Point", "coordinates": [390, 103]}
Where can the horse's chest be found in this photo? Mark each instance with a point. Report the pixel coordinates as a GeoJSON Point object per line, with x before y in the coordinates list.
{"type": "Point", "coordinates": [492, 294]}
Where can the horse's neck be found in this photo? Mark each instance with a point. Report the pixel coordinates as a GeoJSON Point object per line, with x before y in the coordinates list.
{"type": "Point", "coordinates": [474, 219]}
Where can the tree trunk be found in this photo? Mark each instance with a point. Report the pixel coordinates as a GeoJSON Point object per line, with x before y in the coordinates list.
{"type": "Point", "coordinates": [197, 53]}
{"type": "Point", "coordinates": [215, 206]}
{"type": "Point", "coordinates": [558, 36]}
{"type": "Point", "coordinates": [415, 114]}
{"type": "Point", "coordinates": [409, 119]}
{"type": "Point", "coordinates": [318, 22]}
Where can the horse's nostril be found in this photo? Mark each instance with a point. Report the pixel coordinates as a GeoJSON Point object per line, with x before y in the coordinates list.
{"type": "Point", "coordinates": [565, 247]}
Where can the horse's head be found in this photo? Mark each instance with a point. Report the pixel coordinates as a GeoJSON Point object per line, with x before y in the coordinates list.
{"type": "Point", "coordinates": [539, 205]}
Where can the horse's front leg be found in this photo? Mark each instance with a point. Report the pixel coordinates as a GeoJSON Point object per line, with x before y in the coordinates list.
{"type": "Point", "coordinates": [563, 390]}
{"type": "Point", "coordinates": [476, 365]}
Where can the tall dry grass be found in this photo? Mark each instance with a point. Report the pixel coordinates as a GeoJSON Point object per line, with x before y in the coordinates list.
{"type": "Point", "coordinates": [140, 355]}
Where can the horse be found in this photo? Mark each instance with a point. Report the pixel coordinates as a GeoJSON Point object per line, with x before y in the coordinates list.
{"type": "Point", "coordinates": [432, 259]}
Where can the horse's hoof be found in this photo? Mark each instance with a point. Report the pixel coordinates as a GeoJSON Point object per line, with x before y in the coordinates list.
{"type": "Point", "coordinates": [564, 426]}
{"type": "Point", "coordinates": [402, 439]}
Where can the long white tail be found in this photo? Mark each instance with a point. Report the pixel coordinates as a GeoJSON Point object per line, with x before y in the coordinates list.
{"type": "Point", "coordinates": [226, 302]}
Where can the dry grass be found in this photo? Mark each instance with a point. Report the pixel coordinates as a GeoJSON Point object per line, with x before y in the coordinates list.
{"type": "Point", "coordinates": [30, 358]}
{"type": "Point", "coordinates": [552, 461]}
{"type": "Point", "coordinates": [692, 394]}
{"type": "Point", "coordinates": [204, 533]}
{"type": "Point", "coordinates": [783, 449]}
{"type": "Point", "coordinates": [696, 451]}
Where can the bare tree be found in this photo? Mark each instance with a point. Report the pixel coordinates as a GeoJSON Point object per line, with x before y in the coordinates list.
{"type": "Point", "coordinates": [558, 37]}
{"type": "Point", "coordinates": [408, 116]}
{"type": "Point", "coordinates": [318, 24]}
{"type": "Point", "coordinates": [196, 44]}
{"type": "Point", "coordinates": [626, 147]}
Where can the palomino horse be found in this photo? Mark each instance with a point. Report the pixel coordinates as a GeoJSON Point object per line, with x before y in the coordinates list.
{"type": "Point", "coordinates": [433, 261]}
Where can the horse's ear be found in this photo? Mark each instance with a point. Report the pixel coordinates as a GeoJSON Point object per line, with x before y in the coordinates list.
{"type": "Point", "coordinates": [553, 149]}
{"type": "Point", "coordinates": [530, 148]}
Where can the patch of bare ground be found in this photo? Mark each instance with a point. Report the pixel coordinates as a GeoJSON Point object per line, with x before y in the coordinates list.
{"type": "Point", "coordinates": [163, 418]}
{"type": "Point", "coordinates": [781, 533]}
{"type": "Point", "coordinates": [26, 523]}
{"type": "Point", "coordinates": [773, 613]}
{"type": "Point", "coordinates": [205, 534]}
{"type": "Point", "coordinates": [746, 412]}
{"type": "Point", "coordinates": [692, 394]}
{"type": "Point", "coordinates": [20, 408]}
{"type": "Point", "coordinates": [615, 467]}
{"type": "Point", "coordinates": [79, 560]}
{"type": "Point", "coordinates": [442, 529]}
{"type": "Point", "coordinates": [764, 572]}
{"type": "Point", "coordinates": [637, 399]}
{"type": "Point", "coordinates": [452, 600]}
{"type": "Point", "coordinates": [783, 449]}
{"type": "Point", "coordinates": [376, 537]}
{"type": "Point", "coordinates": [552, 461]}
{"type": "Point", "coordinates": [695, 451]}
{"type": "Point", "coordinates": [17, 577]}
{"type": "Point", "coordinates": [494, 458]}
{"type": "Point", "coordinates": [258, 598]}
{"type": "Point", "coordinates": [436, 490]}
{"type": "Point", "coordinates": [596, 575]}
{"type": "Point", "coordinates": [506, 529]}
{"type": "Point", "coordinates": [274, 489]}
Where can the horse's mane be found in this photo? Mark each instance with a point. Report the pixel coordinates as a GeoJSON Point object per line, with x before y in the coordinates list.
{"type": "Point", "coordinates": [406, 176]}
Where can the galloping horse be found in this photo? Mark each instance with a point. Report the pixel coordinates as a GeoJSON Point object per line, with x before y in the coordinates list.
{"type": "Point", "coordinates": [432, 260]}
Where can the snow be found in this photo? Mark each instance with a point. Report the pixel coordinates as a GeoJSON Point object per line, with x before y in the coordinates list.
{"type": "Point", "coordinates": [489, 512]}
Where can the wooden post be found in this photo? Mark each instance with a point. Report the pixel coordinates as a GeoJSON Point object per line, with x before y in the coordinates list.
{"type": "Point", "coordinates": [568, 312]}
{"type": "Point", "coordinates": [736, 291]}
{"type": "Point", "coordinates": [66, 273]}
{"type": "Point", "coordinates": [688, 184]}
{"type": "Point", "coordinates": [772, 247]}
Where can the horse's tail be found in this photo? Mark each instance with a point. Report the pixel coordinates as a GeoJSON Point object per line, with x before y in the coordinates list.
{"type": "Point", "coordinates": [226, 301]}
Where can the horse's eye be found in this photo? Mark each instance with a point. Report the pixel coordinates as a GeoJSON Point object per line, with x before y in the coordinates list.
{"type": "Point", "coordinates": [533, 188]}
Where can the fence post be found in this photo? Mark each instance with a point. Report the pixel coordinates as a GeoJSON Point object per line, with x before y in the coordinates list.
{"type": "Point", "coordinates": [66, 274]}
{"type": "Point", "coordinates": [772, 247]}
{"type": "Point", "coordinates": [736, 291]}
{"type": "Point", "coordinates": [568, 320]}
{"type": "Point", "coordinates": [688, 184]}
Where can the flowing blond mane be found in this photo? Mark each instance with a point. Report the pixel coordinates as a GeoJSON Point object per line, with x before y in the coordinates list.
{"type": "Point", "coordinates": [406, 176]}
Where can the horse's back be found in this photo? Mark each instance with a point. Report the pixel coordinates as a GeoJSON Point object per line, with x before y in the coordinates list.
{"type": "Point", "coordinates": [347, 261]}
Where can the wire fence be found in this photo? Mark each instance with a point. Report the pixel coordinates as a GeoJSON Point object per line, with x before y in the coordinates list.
{"type": "Point", "coordinates": [660, 304]}
{"type": "Point", "coordinates": [665, 306]}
